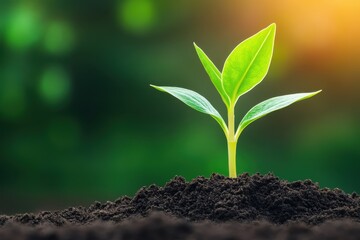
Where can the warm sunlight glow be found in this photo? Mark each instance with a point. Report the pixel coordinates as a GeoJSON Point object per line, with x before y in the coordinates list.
{"type": "Point", "coordinates": [319, 34]}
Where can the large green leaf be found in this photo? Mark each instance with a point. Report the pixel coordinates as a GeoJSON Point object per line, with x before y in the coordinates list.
{"type": "Point", "coordinates": [213, 72]}
{"type": "Point", "coordinates": [248, 63]}
{"type": "Point", "coordinates": [271, 105]}
{"type": "Point", "coordinates": [195, 101]}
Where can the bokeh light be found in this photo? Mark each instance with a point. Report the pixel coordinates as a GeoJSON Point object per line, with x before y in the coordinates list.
{"type": "Point", "coordinates": [23, 28]}
{"type": "Point", "coordinates": [137, 16]}
{"type": "Point", "coordinates": [59, 38]}
{"type": "Point", "coordinates": [54, 85]}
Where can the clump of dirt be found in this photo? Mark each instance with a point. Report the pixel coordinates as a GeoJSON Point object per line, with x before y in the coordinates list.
{"type": "Point", "coordinates": [220, 201]}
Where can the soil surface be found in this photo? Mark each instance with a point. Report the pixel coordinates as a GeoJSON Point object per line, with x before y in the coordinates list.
{"type": "Point", "coordinates": [247, 207]}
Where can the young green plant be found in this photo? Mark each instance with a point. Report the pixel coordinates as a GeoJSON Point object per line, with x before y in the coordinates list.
{"type": "Point", "coordinates": [244, 68]}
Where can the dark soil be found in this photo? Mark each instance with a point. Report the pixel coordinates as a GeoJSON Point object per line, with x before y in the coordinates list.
{"type": "Point", "coordinates": [248, 207]}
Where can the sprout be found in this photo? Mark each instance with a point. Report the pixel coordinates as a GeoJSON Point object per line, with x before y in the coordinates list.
{"type": "Point", "coordinates": [244, 68]}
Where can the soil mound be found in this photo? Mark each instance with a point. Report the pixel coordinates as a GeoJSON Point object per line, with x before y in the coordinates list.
{"type": "Point", "coordinates": [247, 207]}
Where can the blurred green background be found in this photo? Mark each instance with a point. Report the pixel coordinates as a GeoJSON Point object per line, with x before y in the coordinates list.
{"type": "Point", "coordinates": [79, 122]}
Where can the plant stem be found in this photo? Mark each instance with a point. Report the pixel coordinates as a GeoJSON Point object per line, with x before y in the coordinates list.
{"type": "Point", "coordinates": [232, 142]}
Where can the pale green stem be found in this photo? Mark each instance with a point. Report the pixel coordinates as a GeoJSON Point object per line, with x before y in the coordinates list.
{"type": "Point", "coordinates": [238, 132]}
{"type": "Point", "coordinates": [232, 142]}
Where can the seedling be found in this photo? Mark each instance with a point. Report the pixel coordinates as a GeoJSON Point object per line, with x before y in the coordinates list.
{"type": "Point", "coordinates": [244, 68]}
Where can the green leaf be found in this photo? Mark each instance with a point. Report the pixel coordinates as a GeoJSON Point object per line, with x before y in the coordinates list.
{"type": "Point", "coordinates": [271, 105]}
{"type": "Point", "coordinates": [195, 101]}
{"type": "Point", "coordinates": [213, 72]}
{"type": "Point", "coordinates": [248, 63]}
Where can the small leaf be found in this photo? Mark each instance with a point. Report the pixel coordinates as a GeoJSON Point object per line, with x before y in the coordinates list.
{"type": "Point", "coordinates": [248, 63]}
{"type": "Point", "coordinates": [271, 105]}
{"type": "Point", "coordinates": [213, 72]}
{"type": "Point", "coordinates": [195, 101]}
